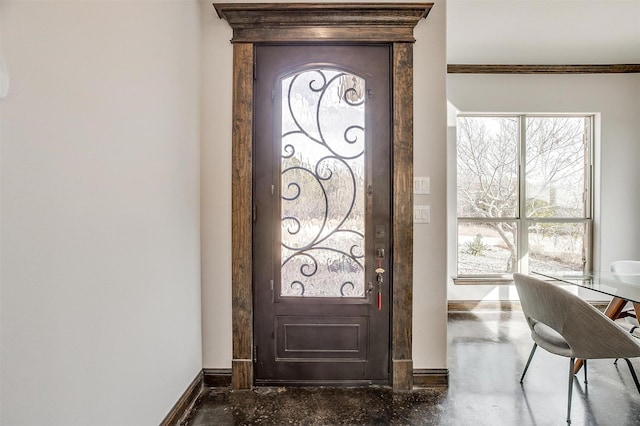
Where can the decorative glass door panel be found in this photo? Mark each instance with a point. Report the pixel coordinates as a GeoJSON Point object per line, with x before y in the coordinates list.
{"type": "Point", "coordinates": [321, 193]}
{"type": "Point", "coordinates": [322, 186]}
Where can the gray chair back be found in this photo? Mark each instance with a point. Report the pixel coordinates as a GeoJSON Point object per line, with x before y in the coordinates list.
{"type": "Point", "coordinates": [587, 331]}
{"type": "Point", "coordinates": [626, 267]}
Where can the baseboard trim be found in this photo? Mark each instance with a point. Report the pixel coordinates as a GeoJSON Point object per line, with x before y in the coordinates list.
{"type": "Point", "coordinates": [430, 377]}
{"type": "Point", "coordinates": [181, 408]}
{"type": "Point", "coordinates": [483, 305]}
{"type": "Point", "coordinates": [217, 377]}
{"type": "Point", "coordinates": [498, 305]}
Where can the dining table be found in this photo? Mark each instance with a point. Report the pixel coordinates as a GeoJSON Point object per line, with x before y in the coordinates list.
{"type": "Point", "coordinates": [623, 288]}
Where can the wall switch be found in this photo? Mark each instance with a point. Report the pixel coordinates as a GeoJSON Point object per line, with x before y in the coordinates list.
{"type": "Point", "coordinates": [421, 214]}
{"type": "Point", "coordinates": [421, 185]}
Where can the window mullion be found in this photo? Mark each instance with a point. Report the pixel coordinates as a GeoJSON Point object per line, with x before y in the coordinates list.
{"type": "Point", "coordinates": [522, 197]}
{"type": "Point", "coordinates": [589, 183]}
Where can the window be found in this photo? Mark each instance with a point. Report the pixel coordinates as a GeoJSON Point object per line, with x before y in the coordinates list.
{"type": "Point", "coordinates": [523, 194]}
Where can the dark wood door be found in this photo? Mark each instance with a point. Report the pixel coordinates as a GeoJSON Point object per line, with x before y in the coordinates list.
{"type": "Point", "coordinates": [322, 214]}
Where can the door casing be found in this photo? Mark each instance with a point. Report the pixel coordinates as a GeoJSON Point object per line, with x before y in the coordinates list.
{"type": "Point", "coordinates": [312, 23]}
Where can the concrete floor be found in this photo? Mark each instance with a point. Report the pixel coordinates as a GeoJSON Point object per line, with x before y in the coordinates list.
{"type": "Point", "coordinates": [487, 351]}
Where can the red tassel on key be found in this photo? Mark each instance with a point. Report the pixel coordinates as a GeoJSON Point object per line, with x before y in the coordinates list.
{"type": "Point", "coordinates": [379, 301]}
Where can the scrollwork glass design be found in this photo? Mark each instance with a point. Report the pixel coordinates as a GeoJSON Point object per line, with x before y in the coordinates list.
{"type": "Point", "coordinates": [322, 184]}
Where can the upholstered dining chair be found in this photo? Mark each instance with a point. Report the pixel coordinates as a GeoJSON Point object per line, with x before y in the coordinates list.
{"type": "Point", "coordinates": [564, 324]}
{"type": "Point", "coordinates": [626, 267]}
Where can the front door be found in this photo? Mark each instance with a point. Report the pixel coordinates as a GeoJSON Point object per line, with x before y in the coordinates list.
{"type": "Point", "coordinates": [322, 214]}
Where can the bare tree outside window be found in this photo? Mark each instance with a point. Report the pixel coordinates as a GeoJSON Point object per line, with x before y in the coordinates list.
{"type": "Point", "coordinates": [523, 192]}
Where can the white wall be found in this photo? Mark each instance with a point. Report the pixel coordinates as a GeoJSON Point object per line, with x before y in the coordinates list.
{"type": "Point", "coordinates": [543, 31]}
{"type": "Point", "coordinates": [1, 232]}
{"type": "Point", "coordinates": [100, 296]}
{"type": "Point", "coordinates": [217, 85]}
{"type": "Point", "coordinates": [615, 98]}
{"type": "Point", "coordinates": [430, 145]}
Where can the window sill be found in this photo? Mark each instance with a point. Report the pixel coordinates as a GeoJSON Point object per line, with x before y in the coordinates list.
{"type": "Point", "coordinates": [482, 280]}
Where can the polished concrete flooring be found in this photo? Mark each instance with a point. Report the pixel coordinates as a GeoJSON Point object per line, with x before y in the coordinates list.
{"type": "Point", "coordinates": [487, 351]}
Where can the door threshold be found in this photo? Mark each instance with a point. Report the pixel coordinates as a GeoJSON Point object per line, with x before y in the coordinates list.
{"type": "Point", "coordinates": [322, 383]}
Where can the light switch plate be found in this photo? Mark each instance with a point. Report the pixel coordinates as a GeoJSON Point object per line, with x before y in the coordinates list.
{"type": "Point", "coordinates": [421, 185]}
{"type": "Point", "coordinates": [421, 214]}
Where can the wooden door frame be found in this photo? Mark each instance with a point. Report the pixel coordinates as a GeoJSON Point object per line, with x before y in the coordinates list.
{"type": "Point", "coordinates": [390, 23]}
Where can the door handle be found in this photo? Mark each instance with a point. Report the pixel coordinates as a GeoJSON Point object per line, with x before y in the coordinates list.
{"type": "Point", "coordinates": [379, 271]}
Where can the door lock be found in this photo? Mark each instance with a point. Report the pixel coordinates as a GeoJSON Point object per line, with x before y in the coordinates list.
{"type": "Point", "coordinates": [379, 271]}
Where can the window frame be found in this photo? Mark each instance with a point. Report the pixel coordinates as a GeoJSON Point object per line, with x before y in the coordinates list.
{"type": "Point", "coordinates": [522, 221]}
